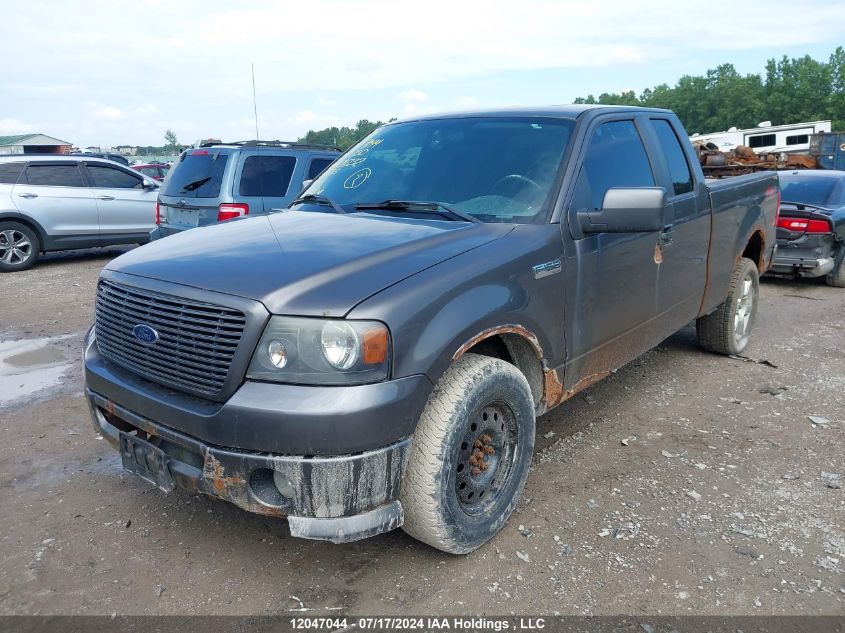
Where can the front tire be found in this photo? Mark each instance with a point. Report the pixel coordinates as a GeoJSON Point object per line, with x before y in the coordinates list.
{"type": "Point", "coordinates": [19, 246]}
{"type": "Point", "coordinates": [470, 455]}
{"type": "Point", "coordinates": [727, 330]}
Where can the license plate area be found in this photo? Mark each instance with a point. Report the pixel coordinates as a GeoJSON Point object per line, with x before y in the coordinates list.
{"type": "Point", "coordinates": [183, 217]}
{"type": "Point", "coordinates": [146, 461]}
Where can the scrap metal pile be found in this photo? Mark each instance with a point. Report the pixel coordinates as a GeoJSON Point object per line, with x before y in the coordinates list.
{"type": "Point", "coordinates": [743, 160]}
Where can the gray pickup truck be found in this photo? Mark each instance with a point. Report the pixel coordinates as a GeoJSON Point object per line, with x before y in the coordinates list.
{"type": "Point", "coordinates": [377, 355]}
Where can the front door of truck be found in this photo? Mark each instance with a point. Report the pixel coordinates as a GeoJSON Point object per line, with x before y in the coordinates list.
{"type": "Point", "coordinates": [685, 240]}
{"type": "Point", "coordinates": [612, 304]}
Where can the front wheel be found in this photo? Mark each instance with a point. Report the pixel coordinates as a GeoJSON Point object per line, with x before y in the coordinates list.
{"type": "Point", "coordinates": [727, 330]}
{"type": "Point", "coordinates": [470, 455]}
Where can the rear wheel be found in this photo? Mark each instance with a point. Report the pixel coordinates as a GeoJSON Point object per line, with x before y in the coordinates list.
{"type": "Point", "coordinates": [836, 277]}
{"type": "Point", "coordinates": [727, 330]}
{"type": "Point", "coordinates": [470, 455]}
{"type": "Point", "coordinates": [19, 246]}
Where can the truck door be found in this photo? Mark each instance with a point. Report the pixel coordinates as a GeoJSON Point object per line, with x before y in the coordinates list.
{"type": "Point", "coordinates": [612, 304]}
{"type": "Point", "coordinates": [685, 240]}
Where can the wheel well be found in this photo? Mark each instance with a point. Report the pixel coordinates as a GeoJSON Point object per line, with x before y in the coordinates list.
{"type": "Point", "coordinates": [27, 223]}
{"type": "Point", "coordinates": [519, 352]}
{"type": "Point", "coordinates": [754, 249]}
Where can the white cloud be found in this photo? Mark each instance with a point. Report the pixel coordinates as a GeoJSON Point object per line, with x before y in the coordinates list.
{"type": "Point", "coordinates": [413, 96]}
{"type": "Point", "coordinates": [14, 126]}
{"type": "Point", "coordinates": [198, 85]}
{"type": "Point", "coordinates": [107, 113]}
{"type": "Point", "coordinates": [465, 102]}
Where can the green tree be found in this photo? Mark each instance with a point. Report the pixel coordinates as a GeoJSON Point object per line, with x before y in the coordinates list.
{"type": "Point", "coordinates": [343, 137]}
{"type": "Point", "coordinates": [170, 141]}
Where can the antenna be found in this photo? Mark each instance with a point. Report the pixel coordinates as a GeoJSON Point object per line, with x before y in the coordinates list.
{"type": "Point", "coordinates": [254, 102]}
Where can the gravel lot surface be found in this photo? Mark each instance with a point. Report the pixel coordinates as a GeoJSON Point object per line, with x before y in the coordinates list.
{"type": "Point", "coordinates": [686, 483]}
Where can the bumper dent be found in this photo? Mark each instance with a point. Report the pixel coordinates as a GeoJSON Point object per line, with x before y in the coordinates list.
{"type": "Point", "coordinates": [339, 499]}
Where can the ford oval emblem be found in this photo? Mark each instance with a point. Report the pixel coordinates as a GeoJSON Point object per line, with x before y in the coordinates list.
{"type": "Point", "coordinates": [145, 334]}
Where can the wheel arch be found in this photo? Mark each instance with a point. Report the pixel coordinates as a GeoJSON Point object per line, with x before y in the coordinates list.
{"type": "Point", "coordinates": [27, 221]}
{"type": "Point", "coordinates": [517, 345]}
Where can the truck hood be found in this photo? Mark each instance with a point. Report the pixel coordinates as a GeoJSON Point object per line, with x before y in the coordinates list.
{"type": "Point", "coordinates": [305, 263]}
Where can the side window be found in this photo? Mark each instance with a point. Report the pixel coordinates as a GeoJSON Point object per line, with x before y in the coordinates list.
{"type": "Point", "coordinates": [54, 175]}
{"type": "Point", "coordinates": [9, 173]}
{"type": "Point", "coordinates": [615, 157]}
{"type": "Point", "coordinates": [678, 166]}
{"type": "Point", "coordinates": [111, 178]}
{"type": "Point", "coordinates": [267, 176]}
{"type": "Point", "coordinates": [317, 166]}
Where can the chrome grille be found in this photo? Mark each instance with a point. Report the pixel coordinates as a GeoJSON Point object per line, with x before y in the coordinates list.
{"type": "Point", "coordinates": [196, 341]}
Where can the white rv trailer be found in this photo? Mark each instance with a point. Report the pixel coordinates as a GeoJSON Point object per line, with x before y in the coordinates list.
{"type": "Point", "coordinates": [788, 139]}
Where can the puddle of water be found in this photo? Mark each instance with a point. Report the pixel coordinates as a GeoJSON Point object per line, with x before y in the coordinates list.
{"type": "Point", "coordinates": [29, 366]}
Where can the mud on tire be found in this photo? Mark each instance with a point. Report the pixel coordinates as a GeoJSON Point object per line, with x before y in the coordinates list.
{"type": "Point", "coordinates": [470, 455]}
{"type": "Point", "coordinates": [727, 329]}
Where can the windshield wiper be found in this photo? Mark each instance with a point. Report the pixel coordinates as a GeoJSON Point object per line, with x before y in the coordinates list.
{"type": "Point", "coordinates": [312, 198]}
{"type": "Point", "coordinates": [806, 204]}
{"type": "Point", "coordinates": [420, 206]}
{"type": "Point", "coordinates": [195, 185]}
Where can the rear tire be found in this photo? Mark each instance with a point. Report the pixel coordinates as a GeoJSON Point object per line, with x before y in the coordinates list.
{"type": "Point", "coordinates": [19, 246]}
{"type": "Point", "coordinates": [727, 330]}
{"type": "Point", "coordinates": [836, 277]}
{"type": "Point", "coordinates": [454, 500]}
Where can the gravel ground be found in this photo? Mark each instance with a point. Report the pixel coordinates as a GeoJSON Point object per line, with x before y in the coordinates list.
{"type": "Point", "coordinates": [686, 483]}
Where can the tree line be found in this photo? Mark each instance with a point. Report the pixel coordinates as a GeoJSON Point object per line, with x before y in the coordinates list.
{"type": "Point", "coordinates": [790, 90]}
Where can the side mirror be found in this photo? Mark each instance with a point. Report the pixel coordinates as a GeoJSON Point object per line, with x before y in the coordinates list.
{"type": "Point", "coordinates": [626, 210]}
{"type": "Point", "coordinates": [151, 184]}
{"type": "Point", "coordinates": [306, 184]}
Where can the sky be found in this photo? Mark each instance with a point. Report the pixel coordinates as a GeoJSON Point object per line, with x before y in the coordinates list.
{"type": "Point", "coordinates": [123, 72]}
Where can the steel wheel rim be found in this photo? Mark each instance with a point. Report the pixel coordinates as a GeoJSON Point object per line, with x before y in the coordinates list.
{"type": "Point", "coordinates": [744, 312]}
{"type": "Point", "coordinates": [485, 457]}
{"type": "Point", "coordinates": [15, 247]}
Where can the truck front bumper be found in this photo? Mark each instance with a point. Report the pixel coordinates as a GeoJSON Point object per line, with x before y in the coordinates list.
{"type": "Point", "coordinates": [330, 459]}
{"type": "Point", "coordinates": [337, 499]}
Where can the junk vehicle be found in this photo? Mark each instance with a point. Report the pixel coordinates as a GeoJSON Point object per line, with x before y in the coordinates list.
{"type": "Point", "coordinates": [376, 356]}
{"type": "Point", "coordinates": [811, 226]}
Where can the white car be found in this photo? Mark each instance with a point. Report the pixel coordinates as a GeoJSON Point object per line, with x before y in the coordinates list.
{"type": "Point", "coordinates": [54, 202]}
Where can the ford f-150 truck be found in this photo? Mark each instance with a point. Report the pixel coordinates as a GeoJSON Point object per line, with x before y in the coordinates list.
{"type": "Point", "coordinates": [376, 355]}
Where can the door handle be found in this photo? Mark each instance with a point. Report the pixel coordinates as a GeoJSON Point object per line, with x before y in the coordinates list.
{"type": "Point", "coordinates": [105, 197]}
{"type": "Point", "coordinates": [667, 235]}
{"type": "Point", "coordinates": [28, 196]}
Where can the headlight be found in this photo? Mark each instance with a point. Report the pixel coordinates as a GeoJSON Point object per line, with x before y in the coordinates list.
{"type": "Point", "coordinates": [308, 351]}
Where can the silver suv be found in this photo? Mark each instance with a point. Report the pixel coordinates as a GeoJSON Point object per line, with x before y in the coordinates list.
{"type": "Point", "coordinates": [53, 203]}
{"type": "Point", "coordinates": [221, 181]}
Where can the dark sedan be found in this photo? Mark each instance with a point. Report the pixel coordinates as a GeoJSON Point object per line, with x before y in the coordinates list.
{"type": "Point", "coordinates": [811, 226]}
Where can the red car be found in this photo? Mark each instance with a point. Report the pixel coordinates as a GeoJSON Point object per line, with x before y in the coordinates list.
{"type": "Point", "coordinates": [156, 171]}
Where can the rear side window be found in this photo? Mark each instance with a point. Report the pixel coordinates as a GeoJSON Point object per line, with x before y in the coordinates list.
{"type": "Point", "coordinates": [152, 172]}
{"type": "Point", "coordinates": [678, 166]}
{"type": "Point", "coordinates": [9, 173]}
{"type": "Point", "coordinates": [615, 157]}
{"type": "Point", "coordinates": [54, 175]}
{"type": "Point", "coordinates": [198, 174]}
{"type": "Point", "coordinates": [267, 176]}
{"type": "Point", "coordinates": [317, 166]}
{"type": "Point", "coordinates": [111, 178]}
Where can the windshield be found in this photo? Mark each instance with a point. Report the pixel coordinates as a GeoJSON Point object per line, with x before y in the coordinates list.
{"type": "Point", "coordinates": [496, 169]}
{"type": "Point", "coordinates": [198, 174]}
{"type": "Point", "coordinates": [820, 191]}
